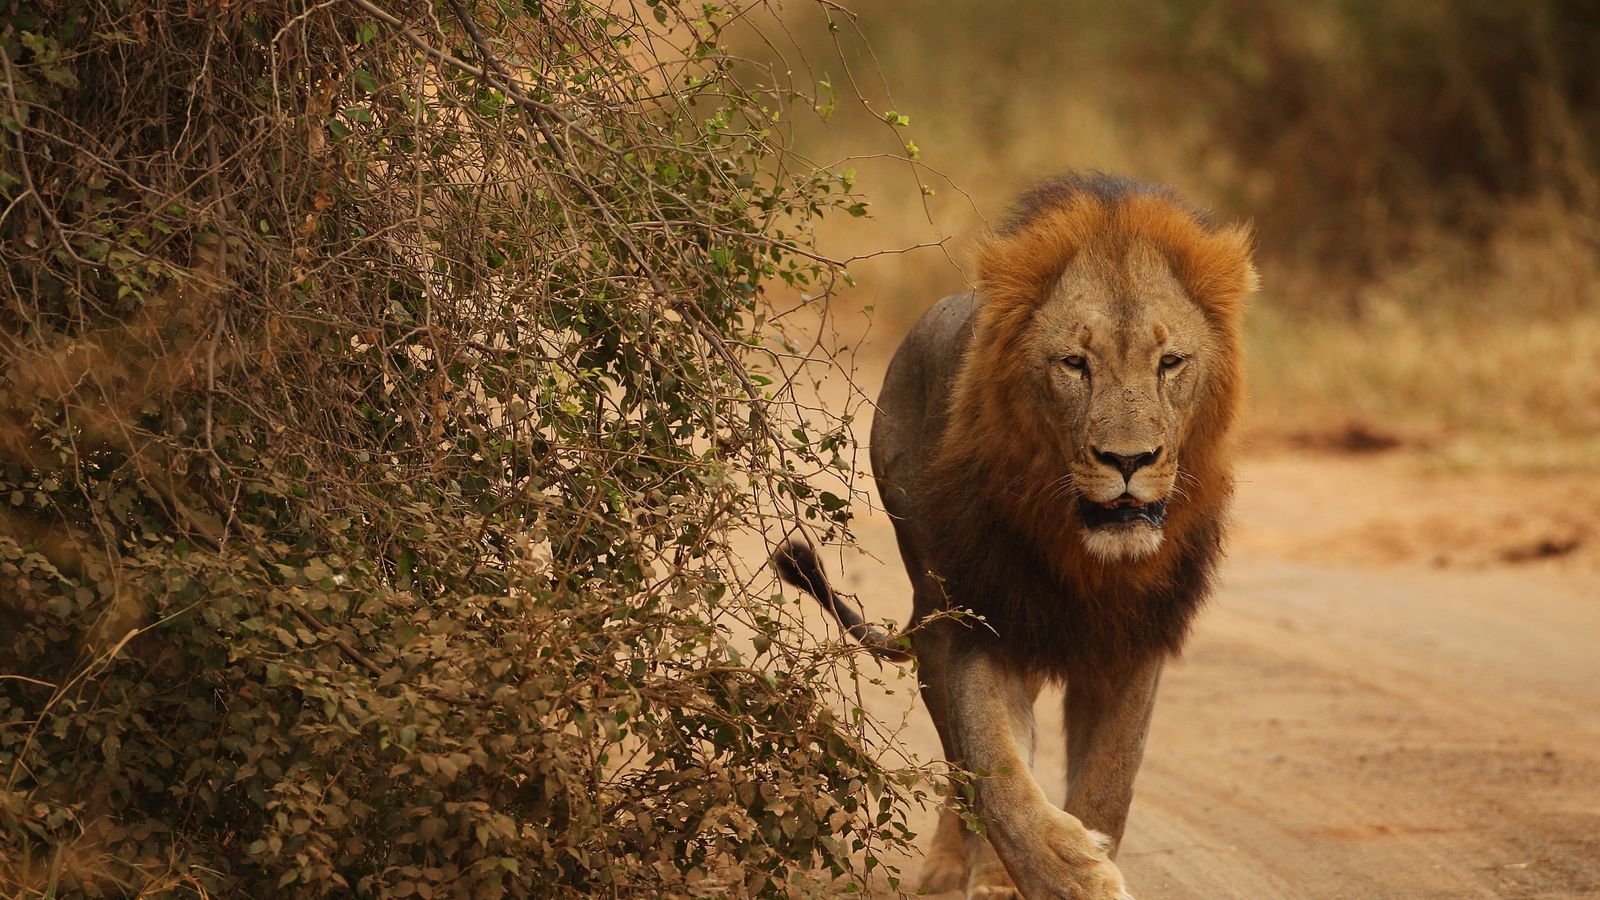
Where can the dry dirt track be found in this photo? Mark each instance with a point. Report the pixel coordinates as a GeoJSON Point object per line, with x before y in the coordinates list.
{"type": "Point", "coordinates": [1385, 698]}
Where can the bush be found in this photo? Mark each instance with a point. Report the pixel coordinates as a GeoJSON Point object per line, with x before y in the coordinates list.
{"type": "Point", "coordinates": [379, 394]}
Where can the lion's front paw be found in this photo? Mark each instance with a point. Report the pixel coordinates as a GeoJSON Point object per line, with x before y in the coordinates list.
{"type": "Point", "coordinates": [1110, 877]}
{"type": "Point", "coordinates": [1102, 880]}
{"type": "Point", "coordinates": [1071, 862]}
{"type": "Point", "coordinates": [1104, 876]}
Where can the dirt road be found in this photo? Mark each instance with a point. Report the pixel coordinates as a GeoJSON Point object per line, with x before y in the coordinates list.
{"type": "Point", "coordinates": [1395, 692]}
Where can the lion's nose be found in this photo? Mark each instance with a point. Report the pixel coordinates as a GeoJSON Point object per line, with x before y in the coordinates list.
{"type": "Point", "coordinates": [1126, 462]}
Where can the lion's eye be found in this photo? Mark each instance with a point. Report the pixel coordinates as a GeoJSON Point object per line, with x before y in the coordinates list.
{"type": "Point", "coordinates": [1171, 361]}
{"type": "Point", "coordinates": [1075, 362]}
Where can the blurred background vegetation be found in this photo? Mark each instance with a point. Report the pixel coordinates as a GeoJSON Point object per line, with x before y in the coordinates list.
{"type": "Point", "coordinates": [1422, 177]}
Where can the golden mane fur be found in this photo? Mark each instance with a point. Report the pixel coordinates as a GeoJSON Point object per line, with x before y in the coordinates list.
{"type": "Point", "coordinates": [996, 448]}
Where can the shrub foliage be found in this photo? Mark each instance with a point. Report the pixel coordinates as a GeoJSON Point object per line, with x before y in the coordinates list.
{"type": "Point", "coordinates": [380, 384]}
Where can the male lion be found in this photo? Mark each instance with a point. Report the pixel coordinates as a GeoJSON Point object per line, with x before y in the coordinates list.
{"type": "Point", "coordinates": [1054, 452]}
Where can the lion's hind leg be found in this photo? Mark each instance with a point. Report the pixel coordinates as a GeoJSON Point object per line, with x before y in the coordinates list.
{"type": "Point", "coordinates": [945, 866]}
{"type": "Point", "coordinates": [962, 860]}
{"type": "Point", "coordinates": [986, 874]}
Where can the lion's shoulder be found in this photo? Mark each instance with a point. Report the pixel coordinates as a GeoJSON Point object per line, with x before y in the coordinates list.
{"type": "Point", "coordinates": [913, 405]}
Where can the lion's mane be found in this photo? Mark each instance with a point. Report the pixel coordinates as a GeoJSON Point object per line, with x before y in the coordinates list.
{"type": "Point", "coordinates": [1006, 545]}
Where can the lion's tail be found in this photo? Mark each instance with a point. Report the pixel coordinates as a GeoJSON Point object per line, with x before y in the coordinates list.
{"type": "Point", "coordinates": [798, 565]}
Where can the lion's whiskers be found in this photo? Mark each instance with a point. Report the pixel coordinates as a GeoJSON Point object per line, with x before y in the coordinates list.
{"type": "Point", "coordinates": [1064, 488]}
{"type": "Point", "coordinates": [1177, 484]}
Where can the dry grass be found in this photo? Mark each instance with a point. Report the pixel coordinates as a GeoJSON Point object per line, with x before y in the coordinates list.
{"type": "Point", "coordinates": [1489, 359]}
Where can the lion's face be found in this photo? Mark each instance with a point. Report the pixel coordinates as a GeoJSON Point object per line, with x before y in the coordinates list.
{"type": "Point", "coordinates": [1103, 376]}
{"type": "Point", "coordinates": [1119, 354]}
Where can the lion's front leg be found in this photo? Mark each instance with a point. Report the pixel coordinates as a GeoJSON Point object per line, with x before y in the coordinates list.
{"type": "Point", "coordinates": [1105, 744]}
{"type": "Point", "coordinates": [1047, 852]}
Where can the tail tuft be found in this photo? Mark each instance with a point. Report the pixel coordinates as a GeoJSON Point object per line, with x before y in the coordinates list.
{"type": "Point", "coordinates": [798, 565]}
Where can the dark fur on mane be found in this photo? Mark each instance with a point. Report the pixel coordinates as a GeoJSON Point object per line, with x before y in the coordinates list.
{"type": "Point", "coordinates": [1043, 625]}
{"type": "Point", "coordinates": [1016, 557]}
{"type": "Point", "coordinates": [1057, 191]}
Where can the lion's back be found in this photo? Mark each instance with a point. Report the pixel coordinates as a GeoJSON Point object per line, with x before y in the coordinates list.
{"type": "Point", "coordinates": [913, 404]}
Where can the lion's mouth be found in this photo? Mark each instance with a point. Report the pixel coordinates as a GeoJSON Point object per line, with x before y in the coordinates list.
{"type": "Point", "coordinates": [1122, 511]}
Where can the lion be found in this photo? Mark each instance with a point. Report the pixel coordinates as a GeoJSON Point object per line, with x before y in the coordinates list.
{"type": "Point", "coordinates": [1054, 449]}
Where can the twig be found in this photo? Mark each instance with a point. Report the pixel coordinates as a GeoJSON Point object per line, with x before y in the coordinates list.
{"type": "Point", "coordinates": [27, 171]}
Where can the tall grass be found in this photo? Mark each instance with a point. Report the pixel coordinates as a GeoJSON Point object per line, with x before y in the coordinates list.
{"type": "Point", "coordinates": [1480, 354]}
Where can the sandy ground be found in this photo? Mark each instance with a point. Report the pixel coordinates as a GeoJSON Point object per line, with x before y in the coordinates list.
{"type": "Point", "coordinates": [1395, 691]}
